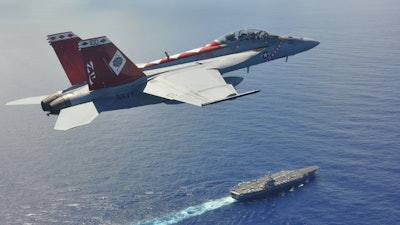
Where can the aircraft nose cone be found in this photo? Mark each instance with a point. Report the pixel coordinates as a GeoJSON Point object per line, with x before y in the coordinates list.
{"type": "Point", "coordinates": [310, 43]}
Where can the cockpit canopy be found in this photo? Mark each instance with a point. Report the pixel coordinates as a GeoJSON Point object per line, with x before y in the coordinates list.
{"type": "Point", "coordinates": [246, 34]}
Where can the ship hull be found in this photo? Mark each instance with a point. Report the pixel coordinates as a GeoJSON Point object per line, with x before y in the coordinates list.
{"type": "Point", "coordinates": [262, 193]}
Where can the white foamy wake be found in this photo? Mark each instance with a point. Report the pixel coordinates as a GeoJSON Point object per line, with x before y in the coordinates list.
{"type": "Point", "coordinates": [189, 212]}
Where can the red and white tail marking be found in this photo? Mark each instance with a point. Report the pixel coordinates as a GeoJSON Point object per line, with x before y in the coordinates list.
{"type": "Point", "coordinates": [66, 47]}
{"type": "Point", "coordinates": [106, 65]}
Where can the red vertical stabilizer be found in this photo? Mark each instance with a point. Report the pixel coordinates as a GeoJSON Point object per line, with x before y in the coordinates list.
{"type": "Point", "coordinates": [66, 47]}
{"type": "Point", "coordinates": [106, 65]}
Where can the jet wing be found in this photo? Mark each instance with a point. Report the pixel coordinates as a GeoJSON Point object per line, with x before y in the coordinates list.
{"type": "Point", "coordinates": [28, 101]}
{"type": "Point", "coordinates": [200, 84]}
{"type": "Point", "coordinates": [196, 86]}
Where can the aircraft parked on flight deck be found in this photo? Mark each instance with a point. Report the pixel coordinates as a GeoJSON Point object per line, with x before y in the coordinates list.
{"type": "Point", "coordinates": [103, 78]}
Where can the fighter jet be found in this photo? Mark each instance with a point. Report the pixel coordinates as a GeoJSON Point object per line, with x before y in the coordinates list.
{"type": "Point", "coordinates": [103, 78]}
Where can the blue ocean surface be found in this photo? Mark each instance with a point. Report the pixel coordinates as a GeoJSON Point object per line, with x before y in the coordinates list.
{"type": "Point", "coordinates": [336, 106]}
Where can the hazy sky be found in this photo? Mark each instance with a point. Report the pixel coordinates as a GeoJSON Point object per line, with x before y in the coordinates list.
{"type": "Point", "coordinates": [142, 29]}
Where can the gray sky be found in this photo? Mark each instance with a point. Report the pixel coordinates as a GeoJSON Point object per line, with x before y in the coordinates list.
{"type": "Point", "coordinates": [142, 29]}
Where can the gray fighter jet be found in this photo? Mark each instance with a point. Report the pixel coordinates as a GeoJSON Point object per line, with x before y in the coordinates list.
{"type": "Point", "coordinates": [103, 78]}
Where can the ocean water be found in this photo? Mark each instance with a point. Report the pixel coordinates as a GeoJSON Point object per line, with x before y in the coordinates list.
{"type": "Point", "coordinates": [336, 106]}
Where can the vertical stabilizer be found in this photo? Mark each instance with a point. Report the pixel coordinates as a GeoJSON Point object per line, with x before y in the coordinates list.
{"type": "Point", "coordinates": [66, 47]}
{"type": "Point", "coordinates": [106, 65]}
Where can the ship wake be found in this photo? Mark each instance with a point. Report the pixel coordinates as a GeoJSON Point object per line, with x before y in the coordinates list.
{"type": "Point", "coordinates": [189, 212]}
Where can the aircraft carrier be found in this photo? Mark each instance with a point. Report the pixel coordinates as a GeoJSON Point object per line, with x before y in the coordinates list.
{"type": "Point", "coordinates": [272, 183]}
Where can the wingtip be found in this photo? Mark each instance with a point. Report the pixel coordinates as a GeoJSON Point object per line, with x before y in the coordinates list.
{"type": "Point", "coordinates": [232, 97]}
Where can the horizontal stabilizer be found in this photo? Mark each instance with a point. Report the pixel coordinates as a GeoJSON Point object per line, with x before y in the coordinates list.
{"type": "Point", "coordinates": [76, 116]}
{"type": "Point", "coordinates": [28, 101]}
{"type": "Point", "coordinates": [232, 97]}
